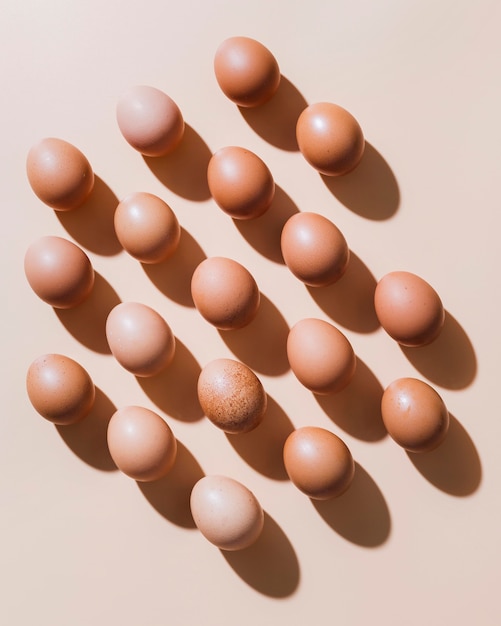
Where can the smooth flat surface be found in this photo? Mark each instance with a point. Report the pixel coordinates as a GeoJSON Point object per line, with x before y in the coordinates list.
{"type": "Point", "coordinates": [414, 540]}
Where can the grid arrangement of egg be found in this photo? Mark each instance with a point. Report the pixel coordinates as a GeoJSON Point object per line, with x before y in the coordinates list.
{"type": "Point", "coordinates": [224, 292]}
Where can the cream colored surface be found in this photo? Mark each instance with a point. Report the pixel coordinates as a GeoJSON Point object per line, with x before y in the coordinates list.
{"type": "Point", "coordinates": [414, 541]}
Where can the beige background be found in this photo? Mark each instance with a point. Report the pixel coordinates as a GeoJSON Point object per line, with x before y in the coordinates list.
{"type": "Point", "coordinates": [415, 540]}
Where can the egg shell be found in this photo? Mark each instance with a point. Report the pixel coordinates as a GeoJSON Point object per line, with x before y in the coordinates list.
{"type": "Point", "coordinates": [240, 182]}
{"type": "Point", "coordinates": [59, 174]}
{"type": "Point", "coordinates": [59, 272]}
{"type": "Point", "coordinates": [318, 462]}
{"type": "Point", "coordinates": [246, 71]}
{"type": "Point", "coordinates": [225, 293]}
{"type": "Point", "coordinates": [226, 512]}
{"type": "Point", "coordinates": [150, 121]}
{"type": "Point", "coordinates": [147, 227]}
{"type": "Point", "coordinates": [314, 249]}
{"type": "Point", "coordinates": [139, 338]}
{"type": "Point", "coordinates": [330, 138]}
{"type": "Point", "coordinates": [408, 309]}
{"type": "Point", "coordinates": [414, 415]}
{"type": "Point", "coordinates": [320, 356]}
{"type": "Point", "coordinates": [141, 443]}
{"type": "Point", "coordinates": [231, 395]}
{"type": "Point", "coordinates": [60, 389]}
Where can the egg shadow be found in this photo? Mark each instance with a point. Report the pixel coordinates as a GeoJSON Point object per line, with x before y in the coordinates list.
{"type": "Point", "coordinates": [184, 171]}
{"type": "Point", "coordinates": [87, 438]}
{"type": "Point", "coordinates": [174, 390]}
{"type": "Point", "coordinates": [361, 514]}
{"type": "Point", "coordinates": [350, 300]}
{"type": "Point", "coordinates": [370, 190]}
{"type": "Point", "coordinates": [262, 343]}
{"type": "Point", "coordinates": [173, 276]}
{"type": "Point", "coordinates": [262, 448]}
{"type": "Point", "coordinates": [170, 495]}
{"type": "Point", "coordinates": [270, 566]}
{"type": "Point", "coordinates": [275, 120]}
{"type": "Point", "coordinates": [357, 408]}
{"type": "Point", "coordinates": [91, 224]}
{"type": "Point", "coordinates": [450, 360]}
{"type": "Point", "coordinates": [87, 321]}
{"type": "Point", "coordinates": [453, 467]}
{"type": "Point", "coordinates": [264, 233]}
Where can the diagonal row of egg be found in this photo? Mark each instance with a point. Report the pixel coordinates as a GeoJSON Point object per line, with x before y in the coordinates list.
{"type": "Point", "coordinates": [225, 293]}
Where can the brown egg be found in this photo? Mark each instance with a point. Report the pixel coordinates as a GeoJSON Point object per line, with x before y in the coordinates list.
{"type": "Point", "coordinates": [246, 71]}
{"type": "Point", "coordinates": [320, 356]}
{"type": "Point", "coordinates": [408, 308]}
{"type": "Point", "coordinates": [59, 174]}
{"type": "Point", "coordinates": [150, 121]}
{"type": "Point", "coordinates": [225, 293]}
{"type": "Point", "coordinates": [414, 414]}
{"type": "Point", "coordinates": [231, 395]}
{"type": "Point", "coordinates": [141, 443]}
{"type": "Point", "coordinates": [59, 272]}
{"type": "Point", "coordinates": [226, 512]}
{"type": "Point", "coordinates": [60, 389]}
{"type": "Point", "coordinates": [314, 249]}
{"type": "Point", "coordinates": [330, 138]}
{"type": "Point", "coordinates": [318, 462]}
{"type": "Point", "coordinates": [147, 227]}
{"type": "Point", "coordinates": [240, 183]}
{"type": "Point", "coordinates": [139, 338]}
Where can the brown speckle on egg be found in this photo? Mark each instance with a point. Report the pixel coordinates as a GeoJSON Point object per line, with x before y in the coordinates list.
{"type": "Point", "coordinates": [231, 395]}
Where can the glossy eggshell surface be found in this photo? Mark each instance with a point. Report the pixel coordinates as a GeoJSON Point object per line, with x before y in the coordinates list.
{"type": "Point", "coordinates": [59, 272]}
{"type": "Point", "coordinates": [414, 415]}
{"type": "Point", "coordinates": [59, 174]}
{"type": "Point", "coordinates": [231, 395]}
{"type": "Point", "coordinates": [320, 356]}
{"type": "Point", "coordinates": [147, 227]}
{"type": "Point", "coordinates": [246, 71]}
{"type": "Point", "coordinates": [240, 182]}
{"type": "Point", "coordinates": [314, 249]}
{"type": "Point", "coordinates": [318, 462]}
{"type": "Point", "coordinates": [225, 293]}
{"type": "Point", "coordinates": [141, 443]}
{"type": "Point", "coordinates": [408, 308]}
{"type": "Point", "coordinates": [150, 121]}
{"type": "Point", "coordinates": [330, 138]}
{"type": "Point", "coordinates": [139, 338]}
{"type": "Point", "coordinates": [226, 512]}
{"type": "Point", "coordinates": [60, 389]}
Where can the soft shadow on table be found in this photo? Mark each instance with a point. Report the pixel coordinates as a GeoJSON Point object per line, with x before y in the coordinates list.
{"type": "Point", "coordinates": [87, 321]}
{"type": "Point", "coordinates": [357, 408]}
{"type": "Point", "coordinates": [174, 390]}
{"type": "Point", "coordinates": [91, 225]}
{"type": "Point", "coordinates": [262, 448]}
{"type": "Point", "coordinates": [184, 171]}
{"type": "Point", "coordinates": [370, 190]}
{"type": "Point", "coordinates": [270, 566]}
{"type": "Point", "coordinates": [263, 233]}
{"type": "Point", "coordinates": [87, 438]}
{"type": "Point", "coordinates": [170, 495]}
{"type": "Point", "coordinates": [361, 514]}
{"type": "Point", "coordinates": [173, 276]}
{"type": "Point", "coordinates": [450, 360]}
{"type": "Point", "coordinates": [275, 120]}
{"type": "Point", "coordinates": [262, 343]}
{"type": "Point", "coordinates": [453, 467]}
{"type": "Point", "coordinates": [350, 301]}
